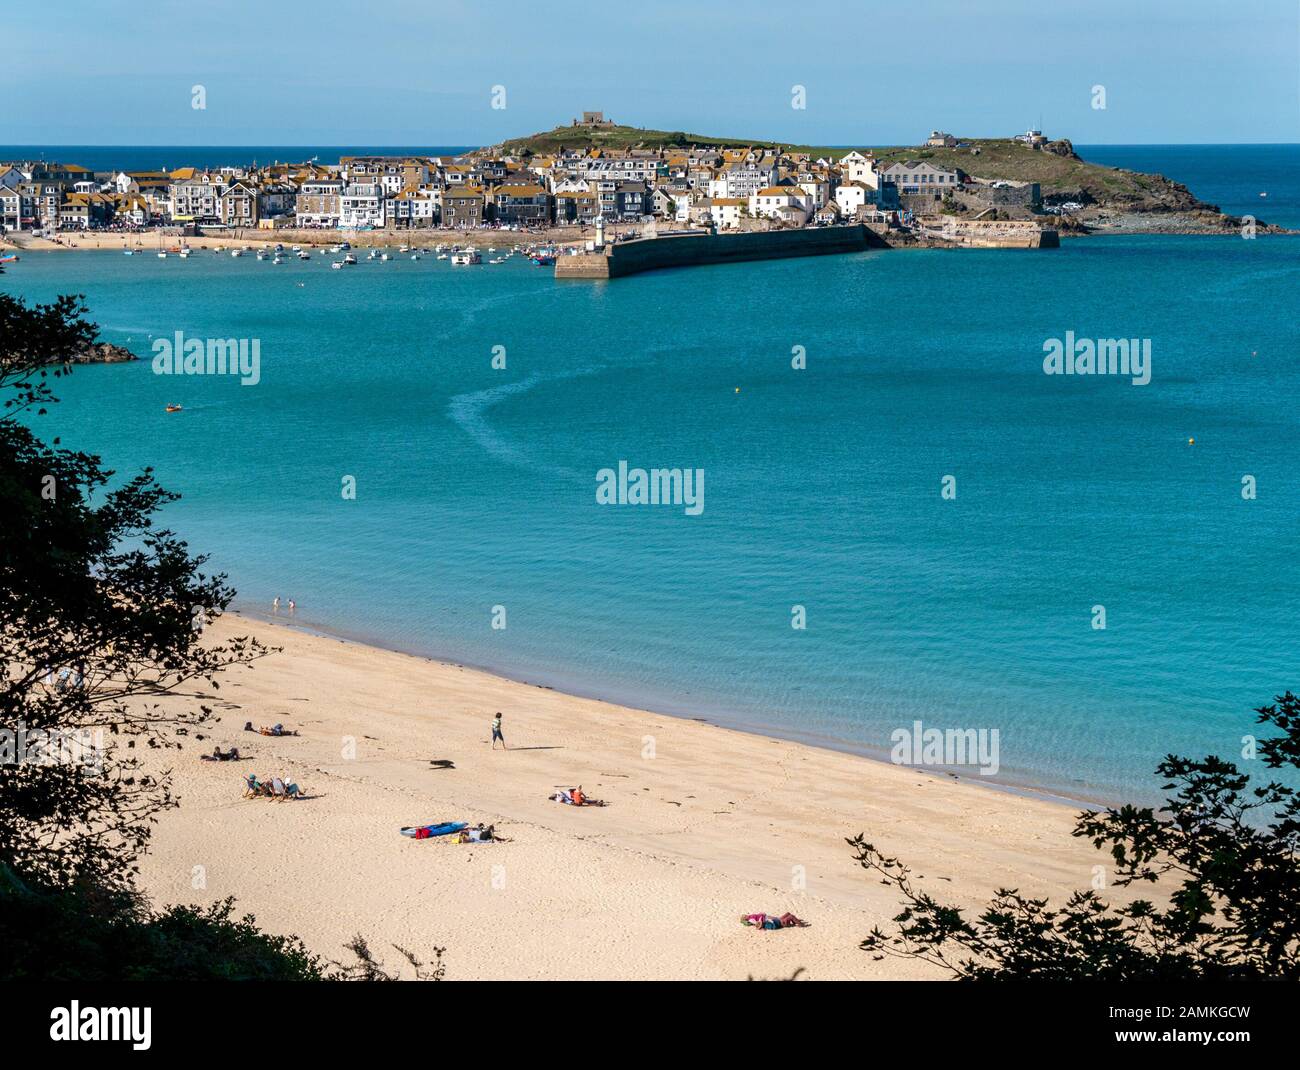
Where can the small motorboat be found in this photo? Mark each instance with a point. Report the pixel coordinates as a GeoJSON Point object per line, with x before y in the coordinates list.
{"type": "Point", "coordinates": [349, 259]}
{"type": "Point", "coordinates": [441, 256]}
{"type": "Point", "coordinates": [278, 259]}
{"type": "Point", "coordinates": [261, 255]}
{"type": "Point", "coordinates": [468, 256]}
{"type": "Point", "coordinates": [236, 252]}
{"type": "Point", "coordinates": [303, 254]}
{"type": "Point", "coordinates": [162, 256]}
{"type": "Point", "coordinates": [128, 252]}
{"type": "Point", "coordinates": [173, 408]}
{"type": "Point", "coordinates": [383, 256]}
{"type": "Point", "coordinates": [336, 264]}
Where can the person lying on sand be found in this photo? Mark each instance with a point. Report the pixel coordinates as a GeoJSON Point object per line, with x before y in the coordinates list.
{"type": "Point", "coordinates": [217, 755]}
{"type": "Point", "coordinates": [770, 921]}
{"type": "Point", "coordinates": [274, 730]}
{"type": "Point", "coordinates": [478, 834]}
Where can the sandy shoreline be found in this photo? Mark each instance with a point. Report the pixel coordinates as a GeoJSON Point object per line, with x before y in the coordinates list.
{"type": "Point", "coordinates": [150, 242]}
{"type": "Point", "coordinates": [703, 824]}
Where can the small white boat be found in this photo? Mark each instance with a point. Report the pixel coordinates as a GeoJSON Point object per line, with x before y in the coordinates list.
{"type": "Point", "coordinates": [162, 256]}
{"type": "Point", "coordinates": [260, 255]}
{"type": "Point", "coordinates": [128, 252]}
{"type": "Point", "coordinates": [303, 254]}
{"type": "Point", "coordinates": [383, 256]}
{"type": "Point", "coordinates": [442, 256]}
{"type": "Point", "coordinates": [349, 259]}
{"type": "Point", "coordinates": [469, 256]}
{"type": "Point", "coordinates": [337, 264]}
{"type": "Point", "coordinates": [185, 252]}
{"type": "Point", "coordinates": [497, 260]}
{"type": "Point", "coordinates": [278, 260]}
{"type": "Point", "coordinates": [236, 252]}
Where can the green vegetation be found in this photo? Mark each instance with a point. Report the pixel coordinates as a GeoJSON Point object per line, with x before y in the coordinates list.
{"type": "Point", "coordinates": [1056, 168]}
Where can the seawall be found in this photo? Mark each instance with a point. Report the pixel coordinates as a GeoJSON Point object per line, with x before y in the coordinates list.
{"type": "Point", "coordinates": [685, 250]}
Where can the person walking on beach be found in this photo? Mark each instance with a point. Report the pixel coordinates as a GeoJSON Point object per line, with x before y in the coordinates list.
{"type": "Point", "coordinates": [496, 732]}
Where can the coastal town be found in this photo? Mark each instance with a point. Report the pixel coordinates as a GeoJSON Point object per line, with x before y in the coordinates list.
{"type": "Point", "coordinates": [715, 188]}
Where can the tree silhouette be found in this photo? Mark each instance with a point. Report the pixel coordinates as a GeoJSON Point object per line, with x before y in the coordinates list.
{"type": "Point", "coordinates": [100, 622]}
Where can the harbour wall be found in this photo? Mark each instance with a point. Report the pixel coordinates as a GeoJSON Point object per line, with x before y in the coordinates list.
{"type": "Point", "coordinates": [685, 250]}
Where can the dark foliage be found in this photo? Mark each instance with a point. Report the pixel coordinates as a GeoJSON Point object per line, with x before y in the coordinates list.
{"type": "Point", "coordinates": [100, 615]}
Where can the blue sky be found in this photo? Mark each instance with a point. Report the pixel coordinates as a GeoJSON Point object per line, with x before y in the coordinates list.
{"type": "Point", "coordinates": [421, 72]}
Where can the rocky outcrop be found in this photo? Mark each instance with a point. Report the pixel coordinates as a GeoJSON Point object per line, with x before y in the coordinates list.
{"type": "Point", "coordinates": [100, 353]}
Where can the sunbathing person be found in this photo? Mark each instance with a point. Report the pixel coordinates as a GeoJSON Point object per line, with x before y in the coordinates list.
{"type": "Point", "coordinates": [218, 756]}
{"type": "Point", "coordinates": [770, 921]}
{"type": "Point", "coordinates": [273, 730]}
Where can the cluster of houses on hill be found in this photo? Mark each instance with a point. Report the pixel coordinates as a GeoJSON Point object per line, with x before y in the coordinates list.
{"type": "Point", "coordinates": [723, 187]}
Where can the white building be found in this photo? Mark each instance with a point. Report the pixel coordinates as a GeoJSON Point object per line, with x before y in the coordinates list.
{"type": "Point", "coordinates": [850, 196]}
{"type": "Point", "coordinates": [788, 203]}
{"type": "Point", "coordinates": [362, 206]}
{"type": "Point", "coordinates": [855, 167]}
{"type": "Point", "coordinates": [727, 212]}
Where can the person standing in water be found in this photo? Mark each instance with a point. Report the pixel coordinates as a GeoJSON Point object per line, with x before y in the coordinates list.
{"type": "Point", "coordinates": [496, 732]}
{"type": "Point", "coordinates": [275, 606]}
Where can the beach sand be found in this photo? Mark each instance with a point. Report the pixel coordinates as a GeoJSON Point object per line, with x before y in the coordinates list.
{"type": "Point", "coordinates": [149, 242]}
{"type": "Point", "coordinates": [703, 824]}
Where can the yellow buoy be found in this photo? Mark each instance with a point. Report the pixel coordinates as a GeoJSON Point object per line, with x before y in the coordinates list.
{"type": "Point", "coordinates": [1191, 442]}
{"type": "Point", "coordinates": [737, 390]}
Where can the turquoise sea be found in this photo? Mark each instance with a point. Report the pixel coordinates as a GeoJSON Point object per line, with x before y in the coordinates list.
{"type": "Point", "coordinates": [476, 486]}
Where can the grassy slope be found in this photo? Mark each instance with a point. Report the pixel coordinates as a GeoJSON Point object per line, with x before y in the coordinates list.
{"type": "Point", "coordinates": [999, 158]}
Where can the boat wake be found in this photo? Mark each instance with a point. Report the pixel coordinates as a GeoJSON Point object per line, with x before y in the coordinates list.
{"type": "Point", "coordinates": [469, 412]}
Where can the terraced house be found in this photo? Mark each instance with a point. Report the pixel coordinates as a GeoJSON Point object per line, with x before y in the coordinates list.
{"type": "Point", "coordinates": [195, 196]}
{"type": "Point", "coordinates": [317, 204]}
{"type": "Point", "coordinates": [464, 207]}
{"type": "Point", "coordinates": [362, 205]}
{"type": "Point", "coordinates": [237, 205]}
{"type": "Point", "coordinates": [526, 204]}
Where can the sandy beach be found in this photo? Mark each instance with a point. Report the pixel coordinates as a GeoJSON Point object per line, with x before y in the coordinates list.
{"type": "Point", "coordinates": [702, 824]}
{"type": "Point", "coordinates": [151, 241]}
